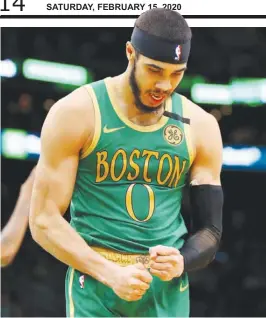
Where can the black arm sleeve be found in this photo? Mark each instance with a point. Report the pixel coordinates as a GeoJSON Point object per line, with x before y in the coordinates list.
{"type": "Point", "coordinates": [200, 248]}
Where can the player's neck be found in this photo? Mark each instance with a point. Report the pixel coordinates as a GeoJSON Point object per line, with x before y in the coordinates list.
{"type": "Point", "coordinates": [126, 103]}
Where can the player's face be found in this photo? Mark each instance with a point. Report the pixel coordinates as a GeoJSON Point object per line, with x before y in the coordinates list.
{"type": "Point", "coordinates": [153, 81]}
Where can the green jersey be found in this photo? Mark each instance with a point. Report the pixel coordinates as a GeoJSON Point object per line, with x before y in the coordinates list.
{"type": "Point", "coordinates": [128, 189]}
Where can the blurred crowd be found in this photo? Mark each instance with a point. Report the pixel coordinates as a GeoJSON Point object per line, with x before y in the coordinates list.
{"type": "Point", "coordinates": [235, 283]}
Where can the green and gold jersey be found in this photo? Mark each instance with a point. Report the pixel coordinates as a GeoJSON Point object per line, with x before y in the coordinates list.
{"type": "Point", "coordinates": [128, 189]}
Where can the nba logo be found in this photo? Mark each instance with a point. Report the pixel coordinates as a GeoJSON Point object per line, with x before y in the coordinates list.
{"type": "Point", "coordinates": [81, 281]}
{"type": "Point", "coordinates": [178, 52]}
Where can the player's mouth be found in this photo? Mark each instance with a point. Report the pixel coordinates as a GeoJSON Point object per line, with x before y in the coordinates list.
{"type": "Point", "coordinates": [157, 98]}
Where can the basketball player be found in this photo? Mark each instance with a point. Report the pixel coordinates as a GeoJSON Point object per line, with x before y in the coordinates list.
{"type": "Point", "coordinates": [14, 231]}
{"type": "Point", "coordinates": [120, 150]}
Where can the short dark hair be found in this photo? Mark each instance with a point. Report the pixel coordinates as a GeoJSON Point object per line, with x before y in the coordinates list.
{"type": "Point", "coordinates": [165, 23]}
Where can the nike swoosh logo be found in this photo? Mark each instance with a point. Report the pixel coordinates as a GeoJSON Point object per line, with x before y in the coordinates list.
{"type": "Point", "coordinates": [183, 288]}
{"type": "Point", "coordinates": [110, 130]}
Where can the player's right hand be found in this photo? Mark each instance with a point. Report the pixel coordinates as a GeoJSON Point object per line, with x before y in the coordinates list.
{"type": "Point", "coordinates": [131, 282]}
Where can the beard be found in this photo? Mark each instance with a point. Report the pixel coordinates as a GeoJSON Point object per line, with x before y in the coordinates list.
{"type": "Point", "coordinates": [136, 92]}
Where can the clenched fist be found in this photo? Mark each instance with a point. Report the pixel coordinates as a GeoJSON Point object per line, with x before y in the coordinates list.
{"type": "Point", "coordinates": [131, 282]}
{"type": "Point", "coordinates": [166, 262]}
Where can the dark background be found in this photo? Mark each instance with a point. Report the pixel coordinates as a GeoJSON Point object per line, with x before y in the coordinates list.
{"type": "Point", "coordinates": [235, 283]}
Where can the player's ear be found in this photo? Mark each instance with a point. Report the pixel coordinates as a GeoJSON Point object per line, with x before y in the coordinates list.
{"type": "Point", "coordinates": [130, 52]}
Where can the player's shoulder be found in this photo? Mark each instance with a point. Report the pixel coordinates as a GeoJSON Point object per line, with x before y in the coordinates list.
{"type": "Point", "coordinates": [198, 116]}
{"type": "Point", "coordinates": [76, 108]}
{"type": "Point", "coordinates": [204, 126]}
{"type": "Point", "coordinates": [71, 117]}
{"type": "Point", "coordinates": [77, 102]}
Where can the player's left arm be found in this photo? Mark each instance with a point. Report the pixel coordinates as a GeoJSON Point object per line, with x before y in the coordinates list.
{"type": "Point", "coordinates": [206, 196]}
{"type": "Point", "coordinates": [207, 165]}
{"type": "Point", "coordinates": [206, 201]}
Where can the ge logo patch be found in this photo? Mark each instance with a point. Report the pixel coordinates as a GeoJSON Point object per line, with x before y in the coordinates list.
{"type": "Point", "coordinates": [173, 135]}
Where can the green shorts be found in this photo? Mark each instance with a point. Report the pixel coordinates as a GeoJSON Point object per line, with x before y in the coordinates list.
{"type": "Point", "coordinates": [87, 297]}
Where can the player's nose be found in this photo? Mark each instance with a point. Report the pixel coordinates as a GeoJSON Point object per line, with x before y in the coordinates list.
{"type": "Point", "coordinates": [164, 86]}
